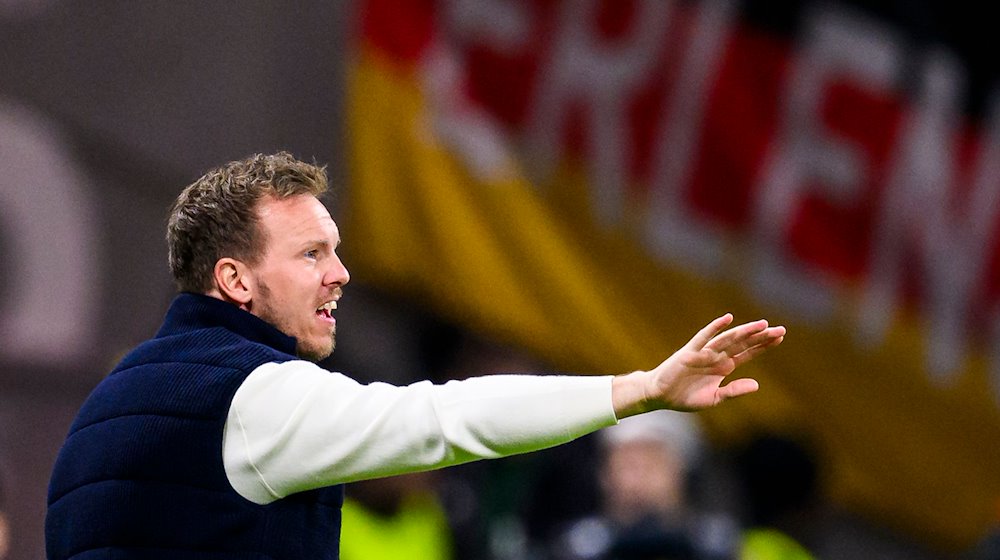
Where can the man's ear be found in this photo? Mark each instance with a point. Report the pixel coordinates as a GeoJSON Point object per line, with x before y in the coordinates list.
{"type": "Point", "coordinates": [233, 281]}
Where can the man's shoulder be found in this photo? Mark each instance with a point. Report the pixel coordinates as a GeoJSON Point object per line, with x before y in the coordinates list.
{"type": "Point", "coordinates": [184, 374]}
{"type": "Point", "coordinates": [215, 347]}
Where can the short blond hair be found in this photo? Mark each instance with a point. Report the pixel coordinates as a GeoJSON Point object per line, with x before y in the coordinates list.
{"type": "Point", "coordinates": [216, 216]}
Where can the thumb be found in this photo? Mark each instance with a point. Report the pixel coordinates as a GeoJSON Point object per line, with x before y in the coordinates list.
{"type": "Point", "coordinates": [737, 388]}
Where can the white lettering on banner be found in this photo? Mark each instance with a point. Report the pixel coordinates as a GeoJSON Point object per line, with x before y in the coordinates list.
{"type": "Point", "coordinates": [919, 212]}
{"type": "Point", "coordinates": [984, 206]}
{"type": "Point", "coordinates": [468, 130]}
{"type": "Point", "coordinates": [671, 232]}
{"type": "Point", "coordinates": [949, 247]}
{"type": "Point", "coordinates": [47, 309]}
{"type": "Point", "coordinates": [605, 77]}
{"type": "Point", "coordinates": [836, 47]}
{"type": "Point", "coordinates": [501, 24]}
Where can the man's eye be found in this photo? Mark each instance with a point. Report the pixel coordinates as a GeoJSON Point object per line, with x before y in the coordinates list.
{"type": "Point", "coordinates": [312, 254]}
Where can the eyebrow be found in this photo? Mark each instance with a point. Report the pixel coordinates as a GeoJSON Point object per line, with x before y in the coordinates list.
{"type": "Point", "coordinates": [319, 242]}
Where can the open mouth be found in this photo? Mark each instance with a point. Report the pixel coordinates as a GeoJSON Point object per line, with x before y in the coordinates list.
{"type": "Point", "coordinates": [325, 311]}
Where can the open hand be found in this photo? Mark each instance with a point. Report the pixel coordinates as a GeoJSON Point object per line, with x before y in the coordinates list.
{"type": "Point", "coordinates": [691, 378]}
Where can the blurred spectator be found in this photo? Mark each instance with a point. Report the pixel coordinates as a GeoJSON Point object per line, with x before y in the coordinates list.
{"type": "Point", "coordinates": [780, 479]}
{"type": "Point", "coordinates": [394, 518]}
{"type": "Point", "coordinates": [645, 514]}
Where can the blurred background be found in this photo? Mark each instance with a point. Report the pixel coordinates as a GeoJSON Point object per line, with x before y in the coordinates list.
{"type": "Point", "coordinates": [553, 186]}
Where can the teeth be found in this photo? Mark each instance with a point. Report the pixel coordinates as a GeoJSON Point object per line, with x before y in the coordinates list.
{"type": "Point", "coordinates": [329, 306]}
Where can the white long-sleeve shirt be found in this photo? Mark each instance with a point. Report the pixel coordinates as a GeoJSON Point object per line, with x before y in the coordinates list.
{"type": "Point", "coordinates": [295, 426]}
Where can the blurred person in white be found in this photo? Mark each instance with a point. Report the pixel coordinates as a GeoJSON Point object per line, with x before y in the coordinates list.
{"type": "Point", "coordinates": [644, 474]}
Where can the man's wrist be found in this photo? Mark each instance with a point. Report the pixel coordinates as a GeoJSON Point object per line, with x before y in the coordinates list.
{"type": "Point", "coordinates": [630, 394]}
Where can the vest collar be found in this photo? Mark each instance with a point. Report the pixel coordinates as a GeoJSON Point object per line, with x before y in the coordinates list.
{"type": "Point", "coordinates": [190, 311]}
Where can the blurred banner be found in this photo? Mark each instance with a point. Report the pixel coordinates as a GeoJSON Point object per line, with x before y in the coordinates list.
{"type": "Point", "coordinates": [596, 180]}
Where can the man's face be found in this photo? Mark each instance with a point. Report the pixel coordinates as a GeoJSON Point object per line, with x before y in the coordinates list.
{"type": "Point", "coordinates": [299, 278]}
{"type": "Point", "coordinates": [642, 477]}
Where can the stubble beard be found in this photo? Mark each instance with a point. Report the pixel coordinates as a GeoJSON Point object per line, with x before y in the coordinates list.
{"type": "Point", "coordinates": [268, 313]}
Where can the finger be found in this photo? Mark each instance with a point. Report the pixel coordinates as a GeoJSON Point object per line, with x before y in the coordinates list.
{"type": "Point", "coordinates": [737, 388]}
{"type": "Point", "coordinates": [709, 331]}
{"type": "Point", "coordinates": [753, 351]}
{"type": "Point", "coordinates": [736, 335]}
{"type": "Point", "coordinates": [740, 345]}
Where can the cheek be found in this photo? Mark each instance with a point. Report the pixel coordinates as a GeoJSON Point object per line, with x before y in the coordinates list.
{"type": "Point", "coordinates": [283, 284]}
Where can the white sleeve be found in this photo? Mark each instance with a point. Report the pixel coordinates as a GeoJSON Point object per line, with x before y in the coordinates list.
{"type": "Point", "coordinates": [295, 426]}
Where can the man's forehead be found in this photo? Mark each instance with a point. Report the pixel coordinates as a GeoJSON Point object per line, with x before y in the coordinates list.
{"type": "Point", "coordinates": [301, 215]}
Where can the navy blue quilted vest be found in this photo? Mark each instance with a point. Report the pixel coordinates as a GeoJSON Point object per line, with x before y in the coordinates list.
{"type": "Point", "coordinates": [141, 474]}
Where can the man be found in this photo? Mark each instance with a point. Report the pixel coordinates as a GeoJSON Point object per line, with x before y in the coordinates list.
{"type": "Point", "coordinates": [221, 438]}
{"type": "Point", "coordinates": [646, 463]}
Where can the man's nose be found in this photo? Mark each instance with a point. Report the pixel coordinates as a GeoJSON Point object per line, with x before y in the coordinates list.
{"type": "Point", "coordinates": [338, 273]}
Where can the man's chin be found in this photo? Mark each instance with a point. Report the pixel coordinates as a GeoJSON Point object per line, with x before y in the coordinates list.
{"type": "Point", "coordinates": [315, 353]}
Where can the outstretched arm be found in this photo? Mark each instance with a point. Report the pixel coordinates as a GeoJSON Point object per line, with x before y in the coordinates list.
{"type": "Point", "coordinates": [692, 378]}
